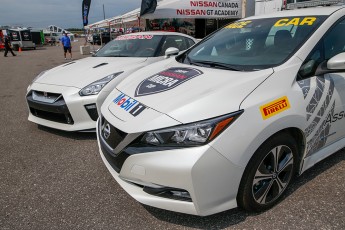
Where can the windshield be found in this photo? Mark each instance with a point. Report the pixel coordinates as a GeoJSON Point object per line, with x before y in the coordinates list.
{"type": "Point", "coordinates": [253, 44]}
{"type": "Point", "coordinates": [131, 46]}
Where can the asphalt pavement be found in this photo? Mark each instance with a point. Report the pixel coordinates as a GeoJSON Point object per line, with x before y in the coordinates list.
{"type": "Point", "coordinates": [51, 179]}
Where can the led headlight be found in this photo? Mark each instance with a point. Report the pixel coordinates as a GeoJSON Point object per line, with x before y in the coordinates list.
{"type": "Point", "coordinates": [193, 134]}
{"type": "Point", "coordinates": [95, 87]}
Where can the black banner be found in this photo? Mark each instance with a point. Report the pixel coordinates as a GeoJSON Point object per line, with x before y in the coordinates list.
{"type": "Point", "coordinates": [148, 6]}
{"type": "Point", "coordinates": [85, 11]}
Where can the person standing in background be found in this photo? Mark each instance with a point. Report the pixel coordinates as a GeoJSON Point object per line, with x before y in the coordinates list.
{"type": "Point", "coordinates": [8, 46]}
{"type": "Point", "coordinates": [66, 43]}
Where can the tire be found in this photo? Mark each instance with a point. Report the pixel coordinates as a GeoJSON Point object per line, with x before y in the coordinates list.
{"type": "Point", "coordinates": [263, 183]}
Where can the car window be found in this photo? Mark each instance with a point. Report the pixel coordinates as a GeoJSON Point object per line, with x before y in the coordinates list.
{"type": "Point", "coordinates": [330, 45]}
{"type": "Point", "coordinates": [175, 41]}
{"type": "Point", "coordinates": [131, 46]}
{"type": "Point", "coordinates": [334, 41]}
{"type": "Point", "coordinates": [190, 42]}
{"type": "Point", "coordinates": [253, 44]}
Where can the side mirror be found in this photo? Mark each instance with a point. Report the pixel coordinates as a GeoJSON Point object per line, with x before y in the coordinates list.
{"type": "Point", "coordinates": [171, 51]}
{"type": "Point", "coordinates": [334, 65]}
{"type": "Point", "coordinates": [337, 62]}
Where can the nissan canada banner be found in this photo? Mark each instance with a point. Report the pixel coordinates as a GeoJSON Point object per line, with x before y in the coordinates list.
{"type": "Point", "coordinates": [197, 9]}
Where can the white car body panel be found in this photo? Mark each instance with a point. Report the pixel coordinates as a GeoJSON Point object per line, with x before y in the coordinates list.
{"type": "Point", "coordinates": [194, 99]}
{"type": "Point", "coordinates": [69, 78]}
{"type": "Point", "coordinates": [312, 109]}
{"type": "Point", "coordinates": [82, 72]}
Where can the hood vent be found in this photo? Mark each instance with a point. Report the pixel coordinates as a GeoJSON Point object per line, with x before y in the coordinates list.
{"type": "Point", "coordinates": [69, 63]}
{"type": "Point", "coordinates": [99, 65]}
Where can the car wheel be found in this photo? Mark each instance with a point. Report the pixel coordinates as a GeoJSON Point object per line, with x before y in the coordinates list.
{"type": "Point", "coordinates": [268, 173]}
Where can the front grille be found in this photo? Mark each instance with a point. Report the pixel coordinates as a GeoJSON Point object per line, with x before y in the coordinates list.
{"type": "Point", "coordinates": [45, 96]}
{"type": "Point", "coordinates": [111, 135]}
{"type": "Point", "coordinates": [49, 106]}
{"type": "Point", "coordinates": [110, 138]}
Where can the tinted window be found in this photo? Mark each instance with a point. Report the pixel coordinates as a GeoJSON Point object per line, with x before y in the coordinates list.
{"type": "Point", "coordinates": [131, 46]}
{"type": "Point", "coordinates": [254, 44]}
{"type": "Point", "coordinates": [175, 41]}
{"type": "Point", "coordinates": [332, 44]}
{"type": "Point", "coordinates": [335, 40]}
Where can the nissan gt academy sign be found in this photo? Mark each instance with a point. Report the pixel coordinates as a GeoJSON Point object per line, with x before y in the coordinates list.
{"type": "Point", "coordinates": [197, 9]}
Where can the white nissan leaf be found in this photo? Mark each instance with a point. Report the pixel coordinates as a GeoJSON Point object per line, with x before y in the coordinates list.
{"type": "Point", "coordinates": [231, 121]}
{"type": "Point", "coordinates": [67, 97]}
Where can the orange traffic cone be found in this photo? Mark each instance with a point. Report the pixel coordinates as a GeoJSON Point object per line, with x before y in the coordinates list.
{"type": "Point", "coordinates": [20, 49]}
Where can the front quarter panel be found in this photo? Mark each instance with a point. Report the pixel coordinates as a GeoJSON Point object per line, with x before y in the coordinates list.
{"type": "Point", "coordinates": [239, 141]}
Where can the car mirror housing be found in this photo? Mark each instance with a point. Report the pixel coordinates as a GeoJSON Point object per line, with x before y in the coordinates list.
{"type": "Point", "coordinates": [337, 62]}
{"type": "Point", "coordinates": [334, 65]}
{"type": "Point", "coordinates": [171, 51]}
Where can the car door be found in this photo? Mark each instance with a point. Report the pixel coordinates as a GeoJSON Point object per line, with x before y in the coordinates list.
{"type": "Point", "coordinates": [324, 94]}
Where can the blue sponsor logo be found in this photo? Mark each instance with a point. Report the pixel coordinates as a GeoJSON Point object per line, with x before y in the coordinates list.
{"type": "Point", "coordinates": [129, 104]}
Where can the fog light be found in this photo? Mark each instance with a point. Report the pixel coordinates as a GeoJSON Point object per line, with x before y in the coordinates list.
{"type": "Point", "coordinates": [170, 193]}
{"type": "Point", "coordinates": [92, 111]}
{"type": "Point", "coordinates": [182, 194]}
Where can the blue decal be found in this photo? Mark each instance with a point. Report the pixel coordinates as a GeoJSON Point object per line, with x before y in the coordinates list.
{"type": "Point", "coordinates": [129, 104]}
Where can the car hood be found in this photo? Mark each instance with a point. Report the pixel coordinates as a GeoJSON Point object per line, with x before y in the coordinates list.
{"type": "Point", "coordinates": [188, 93]}
{"type": "Point", "coordinates": [83, 72]}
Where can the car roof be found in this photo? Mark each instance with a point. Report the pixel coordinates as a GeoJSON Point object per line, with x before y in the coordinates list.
{"type": "Point", "coordinates": [311, 11]}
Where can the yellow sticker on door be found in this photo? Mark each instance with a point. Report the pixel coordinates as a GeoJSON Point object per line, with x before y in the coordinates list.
{"type": "Point", "coordinates": [274, 107]}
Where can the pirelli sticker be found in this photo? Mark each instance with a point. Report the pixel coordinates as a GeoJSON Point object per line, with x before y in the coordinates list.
{"type": "Point", "coordinates": [274, 107]}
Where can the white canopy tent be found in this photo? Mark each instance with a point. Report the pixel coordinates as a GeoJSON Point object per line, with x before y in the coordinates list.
{"type": "Point", "coordinates": [115, 20]}
{"type": "Point", "coordinates": [131, 15]}
{"type": "Point", "coordinates": [198, 9]}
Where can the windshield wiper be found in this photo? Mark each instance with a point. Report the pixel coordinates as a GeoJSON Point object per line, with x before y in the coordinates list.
{"type": "Point", "coordinates": [215, 65]}
{"type": "Point", "coordinates": [194, 63]}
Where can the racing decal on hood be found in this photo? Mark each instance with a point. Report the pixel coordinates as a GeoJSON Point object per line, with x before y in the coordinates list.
{"type": "Point", "coordinates": [274, 107]}
{"type": "Point", "coordinates": [129, 104]}
{"type": "Point", "coordinates": [305, 86]}
{"type": "Point", "coordinates": [320, 86]}
{"type": "Point", "coordinates": [166, 80]}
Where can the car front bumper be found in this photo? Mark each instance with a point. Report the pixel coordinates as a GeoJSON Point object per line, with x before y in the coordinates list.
{"type": "Point", "coordinates": [70, 112]}
{"type": "Point", "coordinates": [210, 180]}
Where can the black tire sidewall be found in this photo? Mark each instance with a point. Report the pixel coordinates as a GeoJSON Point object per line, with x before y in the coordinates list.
{"type": "Point", "coordinates": [244, 197]}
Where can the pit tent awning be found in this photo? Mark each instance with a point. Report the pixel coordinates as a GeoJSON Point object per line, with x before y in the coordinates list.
{"type": "Point", "coordinates": [198, 9]}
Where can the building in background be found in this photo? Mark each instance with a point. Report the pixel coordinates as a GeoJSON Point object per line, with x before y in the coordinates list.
{"type": "Point", "coordinates": [198, 18]}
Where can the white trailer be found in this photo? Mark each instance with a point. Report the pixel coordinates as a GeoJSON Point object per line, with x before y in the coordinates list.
{"type": "Point", "coordinates": [21, 38]}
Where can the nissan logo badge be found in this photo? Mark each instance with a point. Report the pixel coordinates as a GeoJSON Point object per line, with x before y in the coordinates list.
{"type": "Point", "coordinates": [106, 131]}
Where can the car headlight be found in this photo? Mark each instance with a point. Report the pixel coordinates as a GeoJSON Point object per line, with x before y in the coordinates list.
{"type": "Point", "coordinates": [96, 87]}
{"type": "Point", "coordinates": [194, 134]}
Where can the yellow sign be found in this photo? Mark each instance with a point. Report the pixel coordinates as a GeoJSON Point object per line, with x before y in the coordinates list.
{"type": "Point", "coordinates": [295, 21]}
{"type": "Point", "coordinates": [274, 107]}
{"type": "Point", "coordinates": [238, 25]}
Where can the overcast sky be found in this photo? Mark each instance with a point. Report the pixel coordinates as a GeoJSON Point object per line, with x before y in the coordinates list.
{"type": "Point", "coordinates": [62, 13]}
